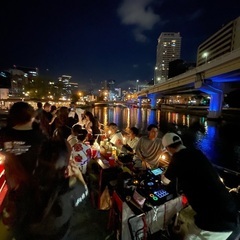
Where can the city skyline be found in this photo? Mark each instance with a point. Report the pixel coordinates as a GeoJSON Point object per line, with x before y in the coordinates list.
{"type": "Point", "coordinates": [95, 41]}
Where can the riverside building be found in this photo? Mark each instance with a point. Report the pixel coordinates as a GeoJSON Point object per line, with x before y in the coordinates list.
{"type": "Point", "coordinates": [226, 40]}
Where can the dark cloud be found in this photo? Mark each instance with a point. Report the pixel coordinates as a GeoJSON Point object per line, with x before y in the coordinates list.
{"type": "Point", "coordinates": [140, 15]}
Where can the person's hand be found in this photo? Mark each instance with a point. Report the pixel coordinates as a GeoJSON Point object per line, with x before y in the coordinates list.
{"type": "Point", "coordinates": [74, 171]}
{"type": "Point", "coordinates": [147, 165]}
{"type": "Point", "coordinates": [164, 180]}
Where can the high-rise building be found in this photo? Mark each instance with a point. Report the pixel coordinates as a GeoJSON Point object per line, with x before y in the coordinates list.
{"type": "Point", "coordinates": [168, 49]}
{"type": "Point", "coordinates": [67, 87]}
{"type": "Point", "coordinates": [226, 40]}
{"type": "Point", "coordinates": [20, 78]}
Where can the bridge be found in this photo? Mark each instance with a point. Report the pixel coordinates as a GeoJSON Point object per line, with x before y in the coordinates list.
{"type": "Point", "coordinates": [213, 78]}
{"type": "Point", "coordinates": [112, 103]}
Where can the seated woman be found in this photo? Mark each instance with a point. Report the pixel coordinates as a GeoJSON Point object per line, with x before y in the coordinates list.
{"type": "Point", "coordinates": [115, 136]}
{"type": "Point", "coordinates": [92, 126]}
{"type": "Point", "coordinates": [57, 187]}
{"type": "Point", "coordinates": [81, 152]}
{"type": "Point", "coordinates": [131, 141]}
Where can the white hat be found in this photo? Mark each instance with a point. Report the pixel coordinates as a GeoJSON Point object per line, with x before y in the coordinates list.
{"type": "Point", "coordinates": [72, 140]}
{"type": "Point", "coordinates": [170, 138]}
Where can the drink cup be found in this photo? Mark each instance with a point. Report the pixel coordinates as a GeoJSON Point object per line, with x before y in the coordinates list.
{"type": "Point", "coordinates": [108, 155]}
{"type": "Point", "coordinates": [94, 153]}
{"type": "Point", "coordinates": [114, 151]}
{"type": "Point", "coordinates": [89, 136]}
{"type": "Point", "coordinates": [102, 151]}
{"type": "Point", "coordinates": [111, 161]}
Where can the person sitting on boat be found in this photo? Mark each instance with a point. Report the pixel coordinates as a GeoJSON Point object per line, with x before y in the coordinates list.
{"type": "Point", "coordinates": [81, 152]}
{"type": "Point", "coordinates": [91, 125]}
{"type": "Point", "coordinates": [215, 210]}
{"type": "Point", "coordinates": [73, 137]}
{"type": "Point", "coordinates": [115, 136]}
{"type": "Point", "coordinates": [149, 148]}
{"type": "Point", "coordinates": [131, 140]}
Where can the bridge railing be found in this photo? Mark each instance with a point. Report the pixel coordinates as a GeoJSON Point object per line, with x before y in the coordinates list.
{"type": "Point", "coordinates": [190, 76]}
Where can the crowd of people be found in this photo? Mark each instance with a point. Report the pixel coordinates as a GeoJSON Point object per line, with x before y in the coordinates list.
{"type": "Point", "coordinates": [214, 213]}
{"type": "Point", "coordinates": [45, 162]}
{"type": "Point", "coordinates": [47, 152]}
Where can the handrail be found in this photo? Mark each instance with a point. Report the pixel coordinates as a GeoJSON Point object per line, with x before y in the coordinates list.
{"type": "Point", "coordinates": [227, 170]}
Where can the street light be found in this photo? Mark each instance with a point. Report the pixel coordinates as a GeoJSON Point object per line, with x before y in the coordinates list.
{"type": "Point", "coordinates": [205, 55]}
{"type": "Point", "coordinates": [137, 81]}
{"type": "Point", "coordinates": [80, 96]}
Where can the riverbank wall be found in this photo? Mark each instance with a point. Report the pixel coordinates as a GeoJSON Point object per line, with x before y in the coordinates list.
{"type": "Point", "coordinates": [227, 113]}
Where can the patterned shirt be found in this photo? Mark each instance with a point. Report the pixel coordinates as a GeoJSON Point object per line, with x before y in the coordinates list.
{"type": "Point", "coordinates": [81, 154]}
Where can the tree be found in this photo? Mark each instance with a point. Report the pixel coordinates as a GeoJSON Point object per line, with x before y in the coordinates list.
{"type": "Point", "coordinates": [74, 97]}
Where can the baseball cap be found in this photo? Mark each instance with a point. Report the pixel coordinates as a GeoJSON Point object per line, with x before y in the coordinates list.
{"type": "Point", "coordinates": [170, 138]}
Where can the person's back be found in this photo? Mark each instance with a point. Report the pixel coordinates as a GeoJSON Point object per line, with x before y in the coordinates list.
{"type": "Point", "coordinates": [55, 224]}
{"type": "Point", "coordinates": [190, 171]}
{"type": "Point", "coordinates": [38, 112]}
{"type": "Point", "coordinates": [204, 190]}
{"type": "Point", "coordinates": [23, 143]}
{"type": "Point", "coordinates": [81, 152]}
{"type": "Point", "coordinates": [63, 123]}
{"type": "Point", "coordinates": [45, 119]}
{"type": "Point", "coordinates": [20, 138]}
{"type": "Point", "coordinates": [46, 209]}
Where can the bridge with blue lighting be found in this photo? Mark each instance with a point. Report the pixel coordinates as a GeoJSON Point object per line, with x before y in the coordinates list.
{"type": "Point", "coordinates": [214, 78]}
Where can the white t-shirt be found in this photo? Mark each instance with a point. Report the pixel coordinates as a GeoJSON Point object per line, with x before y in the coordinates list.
{"type": "Point", "coordinates": [117, 139]}
{"type": "Point", "coordinates": [132, 143]}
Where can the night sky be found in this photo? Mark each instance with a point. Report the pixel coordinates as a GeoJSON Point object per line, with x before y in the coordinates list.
{"type": "Point", "coordinates": [96, 40]}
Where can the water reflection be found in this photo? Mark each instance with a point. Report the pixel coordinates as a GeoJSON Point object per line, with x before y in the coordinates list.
{"type": "Point", "coordinates": [219, 141]}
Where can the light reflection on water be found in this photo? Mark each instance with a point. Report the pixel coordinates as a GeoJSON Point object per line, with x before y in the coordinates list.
{"type": "Point", "coordinates": [219, 141]}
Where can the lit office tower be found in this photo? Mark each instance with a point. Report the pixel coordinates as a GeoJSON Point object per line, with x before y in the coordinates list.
{"type": "Point", "coordinates": [168, 49]}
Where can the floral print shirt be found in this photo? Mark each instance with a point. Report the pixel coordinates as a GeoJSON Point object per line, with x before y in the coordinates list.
{"type": "Point", "coordinates": [81, 154]}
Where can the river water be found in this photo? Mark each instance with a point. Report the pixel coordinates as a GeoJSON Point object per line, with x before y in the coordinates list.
{"type": "Point", "coordinates": [220, 141]}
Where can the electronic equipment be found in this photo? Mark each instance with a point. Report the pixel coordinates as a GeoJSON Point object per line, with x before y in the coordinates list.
{"type": "Point", "coordinates": [125, 158]}
{"type": "Point", "coordinates": [159, 196]}
{"type": "Point", "coordinates": [157, 171]}
{"type": "Point", "coordinates": [156, 196]}
{"type": "Point", "coordinates": [152, 189]}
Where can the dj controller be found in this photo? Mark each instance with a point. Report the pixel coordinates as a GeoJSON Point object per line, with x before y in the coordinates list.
{"type": "Point", "coordinates": [149, 186]}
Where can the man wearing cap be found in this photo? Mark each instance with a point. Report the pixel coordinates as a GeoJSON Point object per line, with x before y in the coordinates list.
{"type": "Point", "coordinates": [216, 211]}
